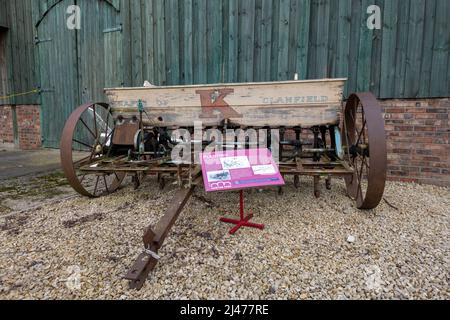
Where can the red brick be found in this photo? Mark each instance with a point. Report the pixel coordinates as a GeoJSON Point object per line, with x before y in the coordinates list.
{"type": "Point", "coordinates": [394, 110]}
{"type": "Point", "coordinates": [401, 151]}
{"type": "Point", "coordinates": [415, 110]}
{"type": "Point", "coordinates": [424, 128]}
{"type": "Point", "coordinates": [404, 128]}
{"type": "Point", "coordinates": [437, 110]}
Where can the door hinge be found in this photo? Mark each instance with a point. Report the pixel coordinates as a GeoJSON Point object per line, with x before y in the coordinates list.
{"type": "Point", "coordinates": [116, 29]}
{"type": "Point", "coordinates": [37, 40]}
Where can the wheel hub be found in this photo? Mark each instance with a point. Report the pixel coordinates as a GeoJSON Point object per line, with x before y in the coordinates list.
{"type": "Point", "coordinates": [359, 150]}
{"type": "Point", "coordinates": [98, 149]}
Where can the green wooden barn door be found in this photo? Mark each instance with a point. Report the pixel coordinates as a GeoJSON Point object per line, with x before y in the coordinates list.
{"type": "Point", "coordinates": [76, 65]}
{"type": "Point", "coordinates": [99, 49]}
{"type": "Point", "coordinates": [56, 46]}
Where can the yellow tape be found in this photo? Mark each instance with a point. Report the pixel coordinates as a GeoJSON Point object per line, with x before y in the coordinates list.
{"type": "Point", "coordinates": [19, 94]}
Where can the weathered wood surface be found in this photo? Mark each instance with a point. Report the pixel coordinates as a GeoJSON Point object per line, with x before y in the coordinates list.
{"type": "Point", "coordinates": [289, 103]}
{"type": "Point", "coordinates": [20, 53]}
{"type": "Point", "coordinates": [4, 90]}
{"type": "Point", "coordinates": [4, 14]}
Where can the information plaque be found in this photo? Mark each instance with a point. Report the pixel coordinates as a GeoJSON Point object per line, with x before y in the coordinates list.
{"type": "Point", "coordinates": [239, 169]}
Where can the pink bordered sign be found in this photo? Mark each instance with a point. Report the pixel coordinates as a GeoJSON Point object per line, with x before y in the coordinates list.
{"type": "Point", "coordinates": [239, 169]}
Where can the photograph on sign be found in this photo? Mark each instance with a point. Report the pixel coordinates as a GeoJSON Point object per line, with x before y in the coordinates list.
{"type": "Point", "coordinates": [264, 169]}
{"type": "Point", "coordinates": [223, 175]}
{"type": "Point", "coordinates": [230, 163]}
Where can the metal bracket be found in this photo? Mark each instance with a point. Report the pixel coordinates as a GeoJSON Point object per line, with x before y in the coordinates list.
{"type": "Point", "coordinates": [38, 41]}
{"type": "Point", "coordinates": [153, 254]}
{"type": "Point", "coordinates": [116, 29]}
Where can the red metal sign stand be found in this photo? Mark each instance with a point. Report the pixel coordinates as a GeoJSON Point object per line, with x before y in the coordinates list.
{"type": "Point", "coordinates": [243, 221]}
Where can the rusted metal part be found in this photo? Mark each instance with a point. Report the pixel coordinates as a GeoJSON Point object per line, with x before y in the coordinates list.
{"type": "Point", "coordinates": [366, 149]}
{"type": "Point", "coordinates": [296, 181]}
{"type": "Point", "coordinates": [148, 236]}
{"type": "Point", "coordinates": [125, 132]}
{"type": "Point", "coordinates": [163, 227]}
{"type": "Point", "coordinates": [68, 163]}
{"type": "Point", "coordinates": [110, 165]}
{"type": "Point", "coordinates": [180, 176]}
{"type": "Point", "coordinates": [328, 183]}
{"type": "Point", "coordinates": [138, 273]}
{"type": "Point", "coordinates": [153, 240]}
{"type": "Point", "coordinates": [154, 236]}
{"type": "Point", "coordinates": [310, 168]}
{"type": "Point", "coordinates": [317, 186]}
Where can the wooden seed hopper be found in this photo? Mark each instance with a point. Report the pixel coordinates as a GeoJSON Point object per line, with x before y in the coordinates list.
{"type": "Point", "coordinates": [305, 121]}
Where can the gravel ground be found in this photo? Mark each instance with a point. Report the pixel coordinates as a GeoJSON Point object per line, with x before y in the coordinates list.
{"type": "Point", "coordinates": [80, 248]}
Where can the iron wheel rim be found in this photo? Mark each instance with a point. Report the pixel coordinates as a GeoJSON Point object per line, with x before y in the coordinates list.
{"type": "Point", "coordinates": [93, 131]}
{"type": "Point", "coordinates": [365, 149]}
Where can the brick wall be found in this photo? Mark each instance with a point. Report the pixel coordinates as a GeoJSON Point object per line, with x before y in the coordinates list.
{"type": "Point", "coordinates": [6, 125]}
{"type": "Point", "coordinates": [418, 140]}
{"type": "Point", "coordinates": [28, 126]}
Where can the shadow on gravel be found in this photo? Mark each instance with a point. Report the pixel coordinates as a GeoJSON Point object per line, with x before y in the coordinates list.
{"type": "Point", "coordinates": [24, 193]}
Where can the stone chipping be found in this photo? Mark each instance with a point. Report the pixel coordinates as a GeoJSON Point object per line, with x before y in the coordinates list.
{"type": "Point", "coordinates": [78, 248]}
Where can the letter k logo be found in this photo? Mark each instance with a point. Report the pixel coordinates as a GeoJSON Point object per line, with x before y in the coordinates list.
{"type": "Point", "coordinates": [213, 100]}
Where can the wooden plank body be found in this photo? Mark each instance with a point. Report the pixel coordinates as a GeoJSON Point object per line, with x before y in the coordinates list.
{"type": "Point", "coordinates": [4, 21]}
{"type": "Point", "coordinates": [288, 103]}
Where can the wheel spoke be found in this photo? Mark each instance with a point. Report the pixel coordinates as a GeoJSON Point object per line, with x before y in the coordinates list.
{"type": "Point", "coordinates": [79, 163]}
{"type": "Point", "coordinates": [364, 126]}
{"type": "Point", "coordinates": [361, 172]}
{"type": "Point", "coordinates": [89, 129]}
{"type": "Point", "coordinates": [353, 112]}
{"type": "Point", "coordinates": [95, 120]}
{"type": "Point", "coordinates": [96, 185]}
{"type": "Point", "coordinates": [93, 151]}
{"type": "Point", "coordinates": [367, 165]}
{"type": "Point", "coordinates": [82, 178]}
{"type": "Point", "coordinates": [355, 165]}
{"type": "Point", "coordinates": [82, 143]}
{"type": "Point", "coordinates": [107, 124]}
{"type": "Point", "coordinates": [361, 133]}
{"type": "Point", "coordinates": [106, 184]}
{"type": "Point", "coordinates": [109, 135]}
{"type": "Point", "coordinates": [359, 194]}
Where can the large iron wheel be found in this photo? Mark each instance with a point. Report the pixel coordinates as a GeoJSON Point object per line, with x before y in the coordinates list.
{"type": "Point", "coordinates": [365, 142]}
{"type": "Point", "coordinates": [86, 140]}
